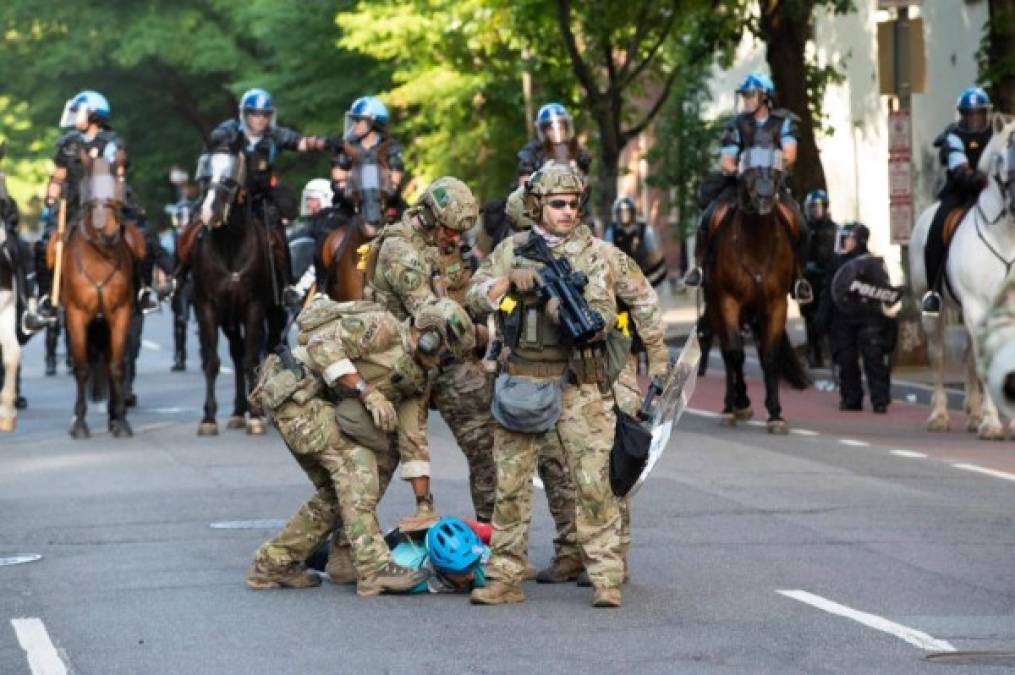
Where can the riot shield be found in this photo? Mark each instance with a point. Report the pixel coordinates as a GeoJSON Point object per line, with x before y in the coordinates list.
{"type": "Point", "coordinates": [664, 409]}
{"type": "Point", "coordinates": [301, 251]}
{"type": "Point", "coordinates": [861, 287]}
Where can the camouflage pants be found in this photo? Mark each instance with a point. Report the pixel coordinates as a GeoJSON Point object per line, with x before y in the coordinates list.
{"type": "Point", "coordinates": [583, 436]}
{"type": "Point", "coordinates": [313, 437]}
{"type": "Point", "coordinates": [349, 479]}
{"type": "Point", "coordinates": [462, 395]}
{"type": "Point", "coordinates": [560, 490]}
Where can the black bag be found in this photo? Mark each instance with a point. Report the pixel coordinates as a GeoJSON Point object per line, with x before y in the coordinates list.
{"type": "Point", "coordinates": [629, 455]}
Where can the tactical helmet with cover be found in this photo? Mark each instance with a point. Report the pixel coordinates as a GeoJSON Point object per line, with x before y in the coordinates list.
{"type": "Point", "coordinates": [515, 210]}
{"type": "Point", "coordinates": [445, 327]}
{"type": "Point", "coordinates": [553, 178]}
{"type": "Point", "coordinates": [449, 202]}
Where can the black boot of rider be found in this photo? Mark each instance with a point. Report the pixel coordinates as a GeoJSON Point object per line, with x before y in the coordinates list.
{"type": "Point", "coordinates": [52, 337]}
{"type": "Point", "coordinates": [20, 402]}
{"type": "Point", "coordinates": [695, 276]}
{"type": "Point", "coordinates": [179, 347]}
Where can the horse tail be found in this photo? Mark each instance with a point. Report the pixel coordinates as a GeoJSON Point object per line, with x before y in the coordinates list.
{"type": "Point", "coordinates": [790, 366]}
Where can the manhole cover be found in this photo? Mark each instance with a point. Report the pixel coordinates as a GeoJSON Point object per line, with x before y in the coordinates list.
{"type": "Point", "coordinates": [19, 559]}
{"type": "Point", "coordinates": [973, 658]}
{"type": "Point", "coordinates": [267, 524]}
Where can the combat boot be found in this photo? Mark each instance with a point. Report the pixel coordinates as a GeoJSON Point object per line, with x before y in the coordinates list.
{"type": "Point", "coordinates": [608, 597]}
{"type": "Point", "coordinates": [584, 581]}
{"type": "Point", "coordinates": [530, 571]}
{"type": "Point", "coordinates": [340, 568]}
{"type": "Point", "coordinates": [391, 579]}
{"type": "Point", "coordinates": [424, 517]}
{"type": "Point", "coordinates": [261, 577]}
{"type": "Point", "coordinates": [497, 593]}
{"type": "Point", "coordinates": [561, 570]}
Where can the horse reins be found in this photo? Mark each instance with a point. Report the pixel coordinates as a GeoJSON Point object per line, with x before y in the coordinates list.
{"type": "Point", "coordinates": [98, 285]}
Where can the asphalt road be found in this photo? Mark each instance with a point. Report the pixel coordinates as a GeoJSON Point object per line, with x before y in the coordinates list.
{"type": "Point", "coordinates": [856, 544]}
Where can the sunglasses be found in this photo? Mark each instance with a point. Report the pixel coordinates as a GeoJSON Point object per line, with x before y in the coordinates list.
{"type": "Point", "coordinates": [560, 204]}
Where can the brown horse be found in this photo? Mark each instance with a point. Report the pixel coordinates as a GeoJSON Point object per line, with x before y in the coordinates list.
{"type": "Point", "coordinates": [748, 277]}
{"type": "Point", "coordinates": [98, 288]}
{"type": "Point", "coordinates": [340, 257]}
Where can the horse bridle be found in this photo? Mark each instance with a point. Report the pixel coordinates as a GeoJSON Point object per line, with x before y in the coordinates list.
{"type": "Point", "coordinates": [1006, 186]}
{"type": "Point", "coordinates": [106, 251]}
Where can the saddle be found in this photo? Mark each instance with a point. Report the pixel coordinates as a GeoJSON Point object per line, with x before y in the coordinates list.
{"type": "Point", "coordinates": [951, 222]}
{"type": "Point", "coordinates": [185, 242]}
{"type": "Point", "coordinates": [786, 216]}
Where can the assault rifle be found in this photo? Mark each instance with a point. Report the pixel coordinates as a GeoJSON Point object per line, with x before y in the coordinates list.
{"type": "Point", "coordinates": [559, 280]}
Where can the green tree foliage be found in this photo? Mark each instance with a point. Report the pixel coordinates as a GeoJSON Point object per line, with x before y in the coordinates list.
{"type": "Point", "coordinates": [996, 57]}
{"type": "Point", "coordinates": [172, 71]}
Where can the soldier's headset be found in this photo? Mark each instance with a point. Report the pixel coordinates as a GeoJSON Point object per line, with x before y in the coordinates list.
{"type": "Point", "coordinates": [430, 344]}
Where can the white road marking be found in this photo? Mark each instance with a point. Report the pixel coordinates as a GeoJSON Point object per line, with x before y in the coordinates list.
{"type": "Point", "coordinates": [226, 370]}
{"type": "Point", "coordinates": [171, 410]}
{"type": "Point", "coordinates": [910, 635]}
{"type": "Point", "coordinates": [804, 432]}
{"type": "Point", "coordinates": [19, 559]}
{"type": "Point", "coordinates": [756, 423]}
{"type": "Point", "coordinates": [149, 344]}
{"type": "Point", "coordinates": [265, 524]}
{"type": "Point", "coordinates": [985, 471]}
{"type": "Point", "coordinates": [912, 454]}
{"type": "Point", "coordinates": [702, 413]}
{"type": "Point", "coordinates": [854, 443]}
{"type": "Point", "coordinates": [34, 639]}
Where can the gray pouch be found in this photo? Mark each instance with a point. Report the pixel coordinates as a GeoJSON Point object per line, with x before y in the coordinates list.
{"type": "Point", "coordinates": [355, 422]}
{"type": "Point", "coordinates": [526, 404]}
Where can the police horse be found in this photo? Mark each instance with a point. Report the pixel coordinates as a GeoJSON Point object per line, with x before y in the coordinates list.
{"type": "Point", "coordinates": [981, 254]}
{"type": "Point", "coordinates": [235, 288]}
{"type": "Point", "coordinates": [10, 346]}
{"type": "Point", "coordinates": [748, 274]}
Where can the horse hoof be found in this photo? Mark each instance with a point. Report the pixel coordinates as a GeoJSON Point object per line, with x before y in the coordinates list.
{"type": "Point", "coordinates": [207, 429]}
{"type": "Point", "coordinates": [990, 432]}
{"type": "Point", "coordinates": [938, 423]}
{"type": "Point", "coordinates": [79, 430]}
{"type": "Point", "coordinates": [130, 400]}
{"type": "Point", "coordinates": [777, 426]}
{"type": "Point", "coordinates": [255, 426]}
{"type": "Point", "coordinates": [6, 424]}
{"type": "Point", "coordinates": [973, 424]}
{"type": "Point", "coordinates": [744, 413]}
{"type": "Point", "coordinates": [728, 419]}
{"type": "Point", "coordinates": [236, 422]}
{"type": "Point", "coordinates": [121, 429]}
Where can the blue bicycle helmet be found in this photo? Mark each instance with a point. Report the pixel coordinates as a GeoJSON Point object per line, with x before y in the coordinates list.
{"type": "Point", "coordinates": [453, 547]}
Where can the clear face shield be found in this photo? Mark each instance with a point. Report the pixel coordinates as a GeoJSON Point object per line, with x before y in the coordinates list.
{"type": "Point", "coordinates": [557, 130]}
{"type": "Point", "coordinates": [73, 114]}
{"type": "Point", "coordinates": [626, 214]}
{"type": "Point", "coordinates": [257, 122]}
{"type": "Point", "coordinates": [815, 210]}
{"type": "Point", "coordinates": [748, 101]}
{"type": "Point", "coordinates": [356, 127]}
{"type": "Point", "coordinates": [974, 120]}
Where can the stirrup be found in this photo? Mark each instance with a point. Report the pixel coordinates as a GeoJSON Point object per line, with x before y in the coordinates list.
{"type": "Point", "coordinates": [694, 277]}
{"type": "Point", "coordinates": [147, 300]}
{"type": "Point", "coordinates": [930, 304]}
{"type": "Point", "coordinates": [802, 292]}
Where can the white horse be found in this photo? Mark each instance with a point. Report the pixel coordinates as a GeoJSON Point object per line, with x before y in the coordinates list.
{"type": "Point", "coordinates": [10, 348]}
{"type": "Point", "coordinates": [980, 256]}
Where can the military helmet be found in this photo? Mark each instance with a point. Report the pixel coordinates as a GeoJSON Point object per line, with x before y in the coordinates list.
{"type": "Point", "coordinates": [553, 178]}
{"type": "Point", "coordinates": [450, 324]}
{"type": "Point", "coordinates": [449, 202]}
{"type": "Point", "coordinates": [515, 210]}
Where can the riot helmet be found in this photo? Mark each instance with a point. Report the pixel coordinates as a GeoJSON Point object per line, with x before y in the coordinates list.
{"type": "Point", "coordinates": [816, 206]}
{"type": "Point", "coordinates": [755, 90]}
{"type": "Point", "coordinates": [85, 108]}
{"type": "Point", "coordinates": [554, 124]}
{"type": "Point", "coordinates": [974, 108]}
{"type": "Point", "coordinates": [624, 211]}
{"type": "Point", "coordinates": [858, 233]}
{"type": "Point", "coordinates": [256, 103]}
{"type": "Point", "coordinates": [319, 189]}
{"type": "Point", "coordinates": [367, 109]}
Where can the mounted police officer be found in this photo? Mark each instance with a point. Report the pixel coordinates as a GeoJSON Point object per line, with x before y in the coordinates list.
{"type": "Point", "coordinates": [820, 252]}
{"type": "Point", "coordinates": [637, 239]}
{"type": "Point", "coordinates": [762, 125]}
{"type": "Point", "coordinates": [550, 391]}
{"type": "Point", "coordinates": [255, 133]}
{"type": "Point", "coordinates": [555, 140]}
{"type": "Point", "coordinates": [89, 114]}
{"type": "Point", "coordinates": [960, 146]}
{"type": "Point", "coordinates": [412, 263]}
{"type": "Point", "coordinates": [368, 169]}
{"type": "Point", "coordinates": [858, 325]}
{"type": "Point", "coordinates": [17, 251]}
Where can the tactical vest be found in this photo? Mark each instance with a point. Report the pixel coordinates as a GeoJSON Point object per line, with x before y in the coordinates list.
{"type": "Point", "coordinates": [973, 142]}
{"type": "Point", "coordinates": [370, 178]}
{"type": "Point", "coordinates": [768, 135]}
{"type": "Point", "coordinates": [69, 147]}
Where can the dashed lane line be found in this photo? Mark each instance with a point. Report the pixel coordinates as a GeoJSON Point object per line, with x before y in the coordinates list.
{"type": "Point", "coordinates": [804, 432]}
{"type": "Point", "coordinates": [152, 345]}
{"type": "Point", "coordinates": [34, 639]}
{"type": "Point", "coordinates": [984, 470]}
{"type": "Point", "coordinates": [911, 454]}
{"type": "Point", "coordinates": [852, 442]}
{"type": "Point", "coordinates": [911, 635]}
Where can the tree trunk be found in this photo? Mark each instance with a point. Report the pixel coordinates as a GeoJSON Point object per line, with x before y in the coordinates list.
{"type": "Point", "coordinates": [786, 30]}
{"type": "Point", "coordinates": [1001, 54]}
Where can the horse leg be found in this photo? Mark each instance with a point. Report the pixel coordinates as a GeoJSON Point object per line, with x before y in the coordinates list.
{"type": "Point", "coordinates": [990, 428]}
{"type": "Point", "coordinates": [236, 339]}
{"type": "Point", "coordinates": [11, 350]}
{"type": "Point", "coordinates": [119, 334]}
{"type": "Point", "coordinates": [77, 334]}
{"type": "Point", "coordinates": [939, 419]}
{"type": "Point", "coordinates": [276, 315]}
{"type": "Point", "coordinates": [768, 338]}
{"type": "Point", "coordinates": [974, 392]}
{"type": "Point", "coordinates": [254, 333]}
{"type": "Point", "coordinates": [208, 328]}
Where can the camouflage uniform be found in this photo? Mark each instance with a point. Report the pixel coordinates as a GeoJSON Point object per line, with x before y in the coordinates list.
{"type": "Point", "coordinates": [996, 345]}
{"type": "Point", "coordinates": [340, 338]}
{"type": "Point", "coordinates": [638, 300]}
{"type": "Point", "coordinates": [583, 435]}
{"type": "Point", "coordinates": [408, 270]}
